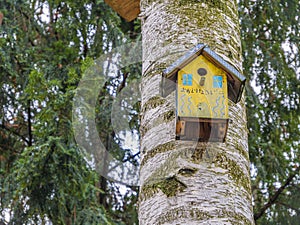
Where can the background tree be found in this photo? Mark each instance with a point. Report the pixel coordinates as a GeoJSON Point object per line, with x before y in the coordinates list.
{"type": "Point", "coordinates": [45, 48]}
{"type": "Point", "coordinates": [270, 35]}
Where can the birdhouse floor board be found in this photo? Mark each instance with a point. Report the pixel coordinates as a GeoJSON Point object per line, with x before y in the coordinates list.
{"type": "Point", "coordinates": [202, 130]}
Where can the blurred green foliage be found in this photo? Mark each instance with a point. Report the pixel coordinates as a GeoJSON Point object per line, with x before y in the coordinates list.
{"type": "Point", "coordinates": [270, 39]}
{"type": "Point", "coordinates": [45, 48]}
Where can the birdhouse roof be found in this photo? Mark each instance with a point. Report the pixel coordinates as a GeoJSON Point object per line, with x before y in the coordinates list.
{"type": "Point", "coordinates": [202, 49]}
{"type": "Point", "coordinates": [236, 80]}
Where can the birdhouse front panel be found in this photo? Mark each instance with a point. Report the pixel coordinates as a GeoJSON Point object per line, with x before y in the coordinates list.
{"type": "Point", "coordinates": [202, 90]}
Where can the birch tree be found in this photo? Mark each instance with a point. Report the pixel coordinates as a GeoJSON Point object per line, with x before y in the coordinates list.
{"type": "Point", "coordinates": [184, 182]}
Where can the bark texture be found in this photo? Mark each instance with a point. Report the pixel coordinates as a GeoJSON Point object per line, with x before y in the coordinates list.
{"type": "Point", "coordinates": [186, 182]}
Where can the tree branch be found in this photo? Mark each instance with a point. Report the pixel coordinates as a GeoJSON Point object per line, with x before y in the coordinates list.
{"type": "Point", "coordinates": [15, 133]}
{"type": "Point", "coordinates": [289, 206]}
{"type": "Point", "coordinates": [123, 83]}
{"type": "Point", "coordinates": [276, 195]}
{"type": "Point", "coordinates": [29, 124]}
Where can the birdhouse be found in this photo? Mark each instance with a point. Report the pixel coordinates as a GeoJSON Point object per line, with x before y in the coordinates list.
{"type": "Point", "coordinates": [204, 83]}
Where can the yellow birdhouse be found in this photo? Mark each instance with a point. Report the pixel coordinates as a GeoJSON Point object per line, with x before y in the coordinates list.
{"type": "Point", "coordinates": [204, 82]}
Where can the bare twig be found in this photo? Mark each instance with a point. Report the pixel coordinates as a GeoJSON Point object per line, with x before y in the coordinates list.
{"type": "Point", "coordinates": [276, 195]}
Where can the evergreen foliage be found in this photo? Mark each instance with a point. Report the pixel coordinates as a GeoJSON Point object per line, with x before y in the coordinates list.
{"type": "Point", "coordinates": [45, 48]}
{"type": "Point", "coordinates": [270, 37]}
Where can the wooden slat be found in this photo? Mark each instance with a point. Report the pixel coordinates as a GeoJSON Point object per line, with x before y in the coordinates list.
{"type": "Point", "coordinates": [128, 9]}
{"type": "Point", "coordinates": [201, 129]}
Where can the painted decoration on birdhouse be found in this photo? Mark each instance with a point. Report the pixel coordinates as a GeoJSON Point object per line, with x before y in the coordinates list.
{"type": "Point", "coordinates": [202, 90]}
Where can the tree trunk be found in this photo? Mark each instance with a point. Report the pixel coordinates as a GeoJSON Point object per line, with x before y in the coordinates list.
{"type": "Point", "coordinates": [184, 182]}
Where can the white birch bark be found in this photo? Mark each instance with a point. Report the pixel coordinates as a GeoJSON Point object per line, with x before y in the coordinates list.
{"type": "Point", "coordinates": [186, 182]}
